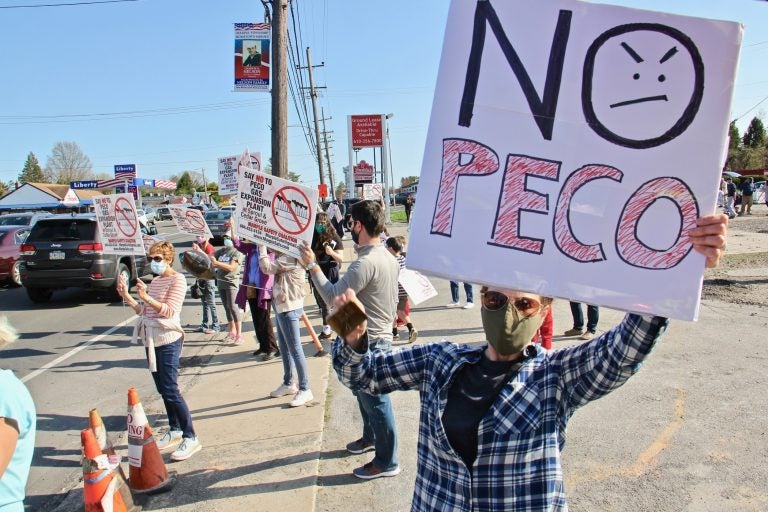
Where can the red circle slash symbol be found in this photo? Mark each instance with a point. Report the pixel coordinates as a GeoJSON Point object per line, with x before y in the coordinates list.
{"type": "Point", "coordinates": [292, 210]}
{"type": "Point", "coordinates": [195, 222]}
{"type": "Point", "coordinates": [125, 217]}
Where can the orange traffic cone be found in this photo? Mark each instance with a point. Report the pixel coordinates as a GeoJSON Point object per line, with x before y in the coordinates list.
{"type": "Point", "coordinates": [99, 484]}
{"type": "Point", "coordinates": [100, 433]}
{"type": "Point", "coordinates": [146, 467]}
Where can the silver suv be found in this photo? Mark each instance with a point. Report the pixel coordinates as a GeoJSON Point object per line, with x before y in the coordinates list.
{"type": "Point", "coordinates": [23, 218]}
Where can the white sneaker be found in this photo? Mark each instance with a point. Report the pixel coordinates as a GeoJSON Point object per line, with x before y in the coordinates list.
{"type": "Point", "coordinates": [453, 305]}
{"type": "Point", "coordinates": [327, 330]}
{"type": "Point", "coordinates": [169, 440]}
{"type": "Point", "coordinates": [283, 390]}
{"type": "Point", "coordinates": [469, 305]}
{"type": "Point", "coordinates": [188, 447]}
{"type": "Point", "coordinates": [301, 398]}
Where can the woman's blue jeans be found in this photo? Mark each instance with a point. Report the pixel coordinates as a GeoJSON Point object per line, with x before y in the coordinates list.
{"type": "Point", "coordinates": [289, 343]}
{"type": "Point", "coordinates": [166, 382]}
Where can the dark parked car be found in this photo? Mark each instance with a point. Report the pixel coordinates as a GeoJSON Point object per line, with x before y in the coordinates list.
{"type": "Point", "coordinates": [23, 218]}
{"type": "Point", "coordinates": [219, 222]}
{"type": "Point", "coordinates": [163, 213]}
{"type": "Point", "coordinates": [65, 251]}
{"type": "Point", "coordinates": [11, 238]}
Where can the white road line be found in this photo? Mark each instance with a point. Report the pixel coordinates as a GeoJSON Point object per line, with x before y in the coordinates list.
{"type": "Point", "coordinates": [76, 350]}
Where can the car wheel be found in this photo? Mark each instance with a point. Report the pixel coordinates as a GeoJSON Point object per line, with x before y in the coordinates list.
{"type": "Point", "coordinates": [16, 273]}
{"type": "Point", "coordinates": [39, 295]}
{"type": "Point", "coordinates": [123, 273]}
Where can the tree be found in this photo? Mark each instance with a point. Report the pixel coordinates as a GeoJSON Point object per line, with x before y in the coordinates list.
{"type": "Point", "coordinates": [32, 172]}
{"type": "Point", "coordinates": [341, 189]}
{"type": "Point", "coordinates": [294, 177]}
{"type": "Point", "coordinates": [185, 185]}
{"type": "Point", "coordinates": [754, 136]}
{"type": "Point", "coordinates": [407, 180]}
{"type": "Point", "coordinates": [66, 163]}
{"type": "Point", "coordinates": [734, 138]}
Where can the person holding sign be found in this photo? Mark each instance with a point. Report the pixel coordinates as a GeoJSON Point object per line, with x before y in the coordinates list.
{"type": "Point", "coordinates": [328, 248]}
{"type": "Point", "coordinates": [494, 417]}
{"type": "Point", "coordinates": [226, 263]}
{"type": "Point", "coordinates": [288, 303]}
{"type": "Point", "coordinates": [159, 328]}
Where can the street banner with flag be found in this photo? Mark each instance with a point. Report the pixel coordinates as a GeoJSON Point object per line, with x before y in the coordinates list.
{"type": "Point", "coordinates": [252, 61]}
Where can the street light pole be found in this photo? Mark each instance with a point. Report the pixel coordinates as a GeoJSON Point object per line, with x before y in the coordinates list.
{"type": "Point", "coordinates": [385, 166]}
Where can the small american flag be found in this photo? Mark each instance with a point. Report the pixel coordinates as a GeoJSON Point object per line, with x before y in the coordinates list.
{"type": "Point", "coordinates": [166, 184]}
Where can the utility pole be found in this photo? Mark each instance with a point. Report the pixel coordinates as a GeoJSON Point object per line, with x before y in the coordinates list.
{"type": "Point", "coordinates": [280, 88]}
{"type": "Point", "coordinates": [328, 157]}
{"type": "Point", "coordinates": [205, 187]}
{"type": "Point", "coordinates": [313, 95]}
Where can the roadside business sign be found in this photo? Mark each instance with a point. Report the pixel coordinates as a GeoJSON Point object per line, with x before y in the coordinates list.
{"type": "Point", "coordinates": [118, 224]}
{"type": "Point", "coordinates": [363, 172]}
{"type": "Point", "coordinates": [125, 171]}
{"type": "Point", "coordinates": [86, 184]}
{"type": "Point", "coordinates": [367, 130]}
{"type": "Point", "coordinates": [190, 220]}
{"type": "Point", "coordinates": [576, 173]}
{"type": "Point", "coordinates": [275, 212]}
{"type": "Point", "coordinates": [70, 199]}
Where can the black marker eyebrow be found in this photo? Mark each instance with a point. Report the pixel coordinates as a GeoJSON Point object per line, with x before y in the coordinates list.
{"type": "Point", "coordinates": [632, 53]}
{"type": "Point", "coordinates": [672, 51]}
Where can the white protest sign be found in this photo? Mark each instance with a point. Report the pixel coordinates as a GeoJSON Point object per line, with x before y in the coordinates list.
{"type": "Point", "coordinates": [275, 212]}
{"type": "Point", "coordinates": [118, 224]}
{"type": "Point", "coordinates": [572, 162]}
{"type": "Point", "coordinates": [149, 241]}
{"type": "Point", "coordinates": [416, 285]}
{"type": "Point", "coordinates": [334, 212]}
{"type": "Point", "coordinates": [190, 220]}
{"type": "Point", "coordinates": [228, 170]}
{"type": "Point", "coordinates": [373, 191]}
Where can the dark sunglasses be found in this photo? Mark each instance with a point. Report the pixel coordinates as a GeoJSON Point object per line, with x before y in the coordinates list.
{"type": "Point", "coordinates": [157, 258]}
{"type": "Point", "coordinates": [494, 301]}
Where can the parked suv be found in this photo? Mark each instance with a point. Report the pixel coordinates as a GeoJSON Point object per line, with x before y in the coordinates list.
{"type": "Point", "coordinates": [65, 251]}
{"type": "Point", "coordinates": [163, 213]}
{"type": "Point", "coordinates": [23, 218]}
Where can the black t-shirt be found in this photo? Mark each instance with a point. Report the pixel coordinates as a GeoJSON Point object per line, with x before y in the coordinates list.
{"type": "Point", "coordinates": [327, 264]}
{"type": "Point", "coordinates": [469, 398]}
{"type": "Point", "coordinates": [731, 189]}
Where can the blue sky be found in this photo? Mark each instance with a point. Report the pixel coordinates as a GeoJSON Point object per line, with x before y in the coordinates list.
{"type": "Point", "coordinates": [155, 58]}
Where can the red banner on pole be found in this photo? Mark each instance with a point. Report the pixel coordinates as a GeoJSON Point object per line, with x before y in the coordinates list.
{"type": "Point", "coordinates": [322, 190]}
{"type": "Point", "coordinates": [367, 131]}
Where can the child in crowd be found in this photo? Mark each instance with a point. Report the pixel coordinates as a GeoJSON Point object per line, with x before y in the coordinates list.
{"type": "Point", "coordinates": [396, 245]}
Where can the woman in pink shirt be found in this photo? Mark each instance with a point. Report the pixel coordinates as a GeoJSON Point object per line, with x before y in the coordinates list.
{"type": "Point", "coordinates": [159, 328]}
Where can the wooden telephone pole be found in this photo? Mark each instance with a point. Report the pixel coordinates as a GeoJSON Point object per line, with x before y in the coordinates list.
{"type": "Point", "coordinates": [280, 88]}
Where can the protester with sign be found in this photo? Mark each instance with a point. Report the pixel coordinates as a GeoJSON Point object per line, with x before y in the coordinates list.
{"type": "Point", "coordinates": [159, 328]}
{"type": "Point", "coordinates": [328, 248]}
{"type": "Point", "coordinates": [256, 290]}
{"type": "Point", "coordinates": [18, 423]}
{"type": "Point", "coordinates": [226, 262]}
{"type": "Point", "coordinates": [288, 303]}
{"type": "Point", "coordinates": [210, 323]}
{"type": "Point", "coordinates": [396, 247]}
{"type": "Point", "coordinates": [493, 418]}
{"type": "Point", "coordinates": [373, 277]}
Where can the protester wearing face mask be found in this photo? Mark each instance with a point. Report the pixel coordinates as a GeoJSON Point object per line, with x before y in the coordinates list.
{"type": "Point", "coordinates": [226, 263]}
{"type": "Point", "coordinates": [493, 418]}
{"type": "Point", "coordinates": [159, 328]}
{"type": "Point", "coordinates": [210, 324]}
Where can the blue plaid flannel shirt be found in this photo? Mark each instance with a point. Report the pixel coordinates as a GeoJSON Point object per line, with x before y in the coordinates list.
{"type": "Point", "coordinates": [522, 435]}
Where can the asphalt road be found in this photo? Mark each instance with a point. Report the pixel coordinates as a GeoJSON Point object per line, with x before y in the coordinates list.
{"type": "Point", "coordinates": [74, 354]}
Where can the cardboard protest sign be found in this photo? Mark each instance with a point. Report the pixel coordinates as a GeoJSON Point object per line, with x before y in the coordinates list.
{"type": "Point", "coordinates": [190, 220]}
{"type": "Point", "coordinates": [571, 146]}
{"type": "Point", "coordinates": [416, 285]}
{"type": "Point", "coordinates": [228, 170]}
{"type": "Point", "coordinates": [119, 227]}
{"type": "Point", "coordinates": [373, 191]}
{"type": "Point", "coordinates": [275, 212]}
{"type": "Point", "coordinates": [334, 212]}
{"type": "Point", "coordinates": [149, 241]}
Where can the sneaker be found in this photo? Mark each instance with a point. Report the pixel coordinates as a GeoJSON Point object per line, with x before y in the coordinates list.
{"type": "Point", "coordinates": [283, 390]}
{"type": "Point", "coordinates": [202, 328]}
{"type": "Point", "coordinates": [258, 352]}
{"type": "Point", "coordinates": [269, 356]}
{"type": "Point", "coordinates": [209, 331]}
{"type": "Point", "coordinates": [395, 336]}
{"type": "Point", "coordinates": [469, 305]}
{"type": "Point", "coordinates": [238, 340]}
{"type": "Point", "coordinates": [169, 440]}
{"type": "Point", "coordinates": [301, 398]}
{"type": "Point", "coordinates": [413, 335]}
{"type": "Point", "coordinates": [453, 305]}
{"type": "Point", "coordinates": [188, 447]}
{"type": "Point", "coordinates": [360, 446]}
{"type": "Point", "coordinates": [371, 471]}
{"type": "Point", "coordinates": [573, 332]}
{"type": "Point", "coordinates": [324, 336]}
{"type": "Point", "coordinates": [587, 336]}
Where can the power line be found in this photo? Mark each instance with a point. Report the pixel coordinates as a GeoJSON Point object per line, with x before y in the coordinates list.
{"type": "Point", "coordinates": [70, 4]}
{"type": "Point", "coordinates": [751, 109]}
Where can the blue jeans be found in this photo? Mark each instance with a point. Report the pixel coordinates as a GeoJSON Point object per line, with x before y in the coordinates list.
{"type": "Point", "coordinates": [379, 423]}
{"type": "Point", "coordinates": [209, 305]}
{"type": "Point", "coordinates": [166, 377]}
{"type": "Point", "coordinates": [289, 343]}
{"type": "Point", "coordinates": [455, 291]}
{"type": "Point", "coordinates": [593, 315]}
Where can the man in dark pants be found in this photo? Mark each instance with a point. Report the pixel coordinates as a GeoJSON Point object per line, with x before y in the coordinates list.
{"type": "Point", "coordinates": [593, 315]}
{"type": "Point", "coordinates": [373, 277]}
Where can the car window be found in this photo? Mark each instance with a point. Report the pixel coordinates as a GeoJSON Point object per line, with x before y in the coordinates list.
{"type": "Point", "coordinates": [220, 215]}
{"type": "Point", "coordinates": [139, 212]}
{"type": "Point", "coordinates": [63, 229]}
{"type": "Point", "coordinates": [15, 220]}
{"type": "Point", "coordinates": [21, 236]}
